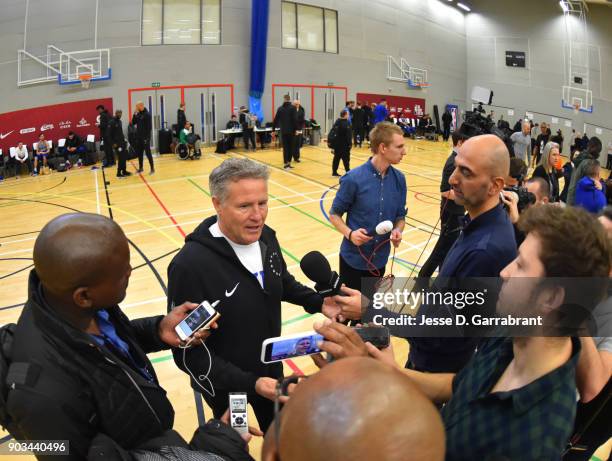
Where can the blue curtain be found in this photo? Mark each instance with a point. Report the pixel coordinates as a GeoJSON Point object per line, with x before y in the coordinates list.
{"type": "Point", "coordinates": [259, 48]}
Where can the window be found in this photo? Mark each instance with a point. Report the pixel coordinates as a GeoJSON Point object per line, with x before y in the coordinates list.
{"type": "Point", "coordinates": [310, 28]}
{"type": "Point", "coordinates": [181, 22]}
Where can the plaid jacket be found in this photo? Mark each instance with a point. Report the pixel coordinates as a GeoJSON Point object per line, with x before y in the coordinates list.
{"type": "Point", "coordinates": [530, 423]}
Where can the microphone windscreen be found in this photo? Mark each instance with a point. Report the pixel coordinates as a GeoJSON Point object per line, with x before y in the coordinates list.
{"type": "Point", "coordinates": [384, 227]}
{"type": "Point", "coordinates": [316, 267]}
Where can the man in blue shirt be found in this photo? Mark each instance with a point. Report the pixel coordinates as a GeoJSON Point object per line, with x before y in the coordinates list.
{"type": "Point", "coordinates": [381, 112]}
{"type": "Point", "coordinates": [370, 194]}
{"type": "Point", "coordinates": [484, 247]}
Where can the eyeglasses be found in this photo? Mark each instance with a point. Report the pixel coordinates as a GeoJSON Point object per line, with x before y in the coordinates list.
{"type": "Point", "coordinates": [282, 390]}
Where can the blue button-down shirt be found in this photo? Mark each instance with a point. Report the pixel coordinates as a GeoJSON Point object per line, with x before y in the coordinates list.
{"type": "Point", "coordinates": [109, 338]}
{"type": "Point", "coordinates": [485, 246]}
{"type": "Point", "coordinates": [369, 198]}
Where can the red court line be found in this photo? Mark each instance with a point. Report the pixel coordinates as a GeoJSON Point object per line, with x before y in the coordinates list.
{"type": "Point", "coordinates": [161, 204]}
{"type": "Point", "coordinates": [294, 368]}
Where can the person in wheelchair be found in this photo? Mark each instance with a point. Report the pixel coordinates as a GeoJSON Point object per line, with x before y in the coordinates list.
{"type": "Point", "coordinates": [189, 144]}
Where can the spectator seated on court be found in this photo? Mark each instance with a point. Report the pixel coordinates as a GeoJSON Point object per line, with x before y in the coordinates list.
{"type": "Point", "coordinates": [516, 398]}
{"type": "Point", "coordinates": [78, 369]}
{"type": "Point", "coordinates": [21, 157]}
{"type": "Point", "coordinates": [342, 414]}
{"type": "Point", "coordinates": [73, 149]}
{"type": "Point", "coordinates": [590, 190]}
{"type": "Point", "coordinates": [43, 150]}
{"type": "Point", "coordinates": [233, 124]}
{"type": "Point", "coordinates": [189, 144]}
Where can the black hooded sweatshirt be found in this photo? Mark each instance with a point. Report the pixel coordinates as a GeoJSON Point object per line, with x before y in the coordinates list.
{"type": "Point", "coordinates": [207, 268]}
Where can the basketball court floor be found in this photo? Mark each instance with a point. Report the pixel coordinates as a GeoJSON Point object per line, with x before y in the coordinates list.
{"type": "Point", "coordinates": [157, 212]}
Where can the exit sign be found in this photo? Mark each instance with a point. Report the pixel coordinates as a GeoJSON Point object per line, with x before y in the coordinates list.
{"type": "Point", "coordinates": [156, 84]}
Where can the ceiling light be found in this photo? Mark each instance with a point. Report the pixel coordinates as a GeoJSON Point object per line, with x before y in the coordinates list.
{"type": "Point", "coordinates": [463, 7]}
{"type": "Point", "coordinates": [563, 6]}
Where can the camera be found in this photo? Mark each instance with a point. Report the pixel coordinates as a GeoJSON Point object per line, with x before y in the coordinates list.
{"type": "Point", "coordinates": [476, 124]}
{"type": "Point", "coordinates": [525, 198]}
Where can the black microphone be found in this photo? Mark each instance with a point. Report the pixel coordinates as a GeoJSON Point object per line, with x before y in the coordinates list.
{"type": "Point", "coordinates": [316, 267]}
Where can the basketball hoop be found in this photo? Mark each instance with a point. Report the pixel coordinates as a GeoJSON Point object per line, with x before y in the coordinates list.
{"type": "Point", "coordinates": [85, 80]}
{"type": "Point", "coordinates": [576, 108]}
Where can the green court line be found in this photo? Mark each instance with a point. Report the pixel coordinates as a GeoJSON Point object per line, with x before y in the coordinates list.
{"type": "Point", "coordinates": [305, 213]}
{"type": "Point", "coordinates": [198, 186]}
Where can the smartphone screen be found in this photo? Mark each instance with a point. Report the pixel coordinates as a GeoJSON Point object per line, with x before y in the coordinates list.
{"type": "Point", "coordinates": [198, 317]}
{"type": "Point", "coordinates": [292, 347]}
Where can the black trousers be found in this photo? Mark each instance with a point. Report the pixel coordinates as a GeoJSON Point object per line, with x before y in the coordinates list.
{"type": "Point", "coordinates": [359, 133]}
{"type": "Point", "coordinates": [297, 145]}
{"type": "Point", "coordinates": [143, 146]}
{"type": "Point", "coordinates": [609, 162]}
{"type": "Point", "coordinates": [249, 135]}
{"type": "Point", "coordinates": [446, 132]}
{"type": "Point", "coordinates": [121, 159]}
{"type": "Point", "coordinates": [448, 234]}
{"type": "Point", "coordinates": [346, 160]}
{"type": "Point", "coordinates": [263, 408]}
{"type": "Point", "coordinates": [109, 155]}
{"type": "Point", "coordinates": [288, 143]}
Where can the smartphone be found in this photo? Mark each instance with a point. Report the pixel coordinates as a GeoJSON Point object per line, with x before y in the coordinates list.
{"type": "Point", "coordinates": [238, 412]}
{"type": "Point", "coordinates": [287, 347]}
{"type": "Point", "coordinates": [378, 336]}
{"type": "Point", "coordinates": [200, 317]}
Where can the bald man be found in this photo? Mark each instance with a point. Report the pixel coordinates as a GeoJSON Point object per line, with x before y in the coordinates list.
{"type": "Point", "coordinates": [342, 414]}
{"type": "Point", "coordinates": [484, 247]}
{"type": "Point", "coordinates": [79, 368]}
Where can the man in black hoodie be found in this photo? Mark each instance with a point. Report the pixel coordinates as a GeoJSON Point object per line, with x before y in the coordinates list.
{"type": "Point", "coordinates": [79, 369]}
{"type": "Point", "coordinates": [287, 119]}
{"type": "Point", "coordinates": [235, 258]}
{"type": "Point", "coordinates": [109, 158]}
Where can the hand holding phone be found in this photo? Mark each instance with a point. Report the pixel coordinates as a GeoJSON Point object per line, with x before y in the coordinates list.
{"type": "Point", "coordinates": [200, 317]}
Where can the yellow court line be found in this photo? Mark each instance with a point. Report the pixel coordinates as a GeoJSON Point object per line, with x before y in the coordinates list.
{"type": "Point", "coordinates": [111, 207]}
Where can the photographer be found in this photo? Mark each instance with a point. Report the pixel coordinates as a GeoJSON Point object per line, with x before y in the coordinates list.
{"type": "Point", "coordinates": [520, 198]}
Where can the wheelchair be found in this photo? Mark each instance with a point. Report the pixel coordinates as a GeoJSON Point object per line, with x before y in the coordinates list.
{"type": "Point", "coordinates": [186, 151]}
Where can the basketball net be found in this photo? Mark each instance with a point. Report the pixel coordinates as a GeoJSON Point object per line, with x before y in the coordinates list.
{"type": "Point", "coordinates": [576, 108]}
{"type": "Point", "coordinates": [85, 80]}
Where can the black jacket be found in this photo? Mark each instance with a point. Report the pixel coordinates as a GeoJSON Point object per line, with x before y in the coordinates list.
{"type": "Point", "coordinates": [286, 118]}
{"type": "Point", "coordinates": [116, 131]}
{"type": "Point", "coordinates": [447, 118]}
{"type": "Point", "coordinates": [104, 119]}
{"type": "Point", "coordinates": [69, 388]}
{"type": "Point", "coordinates": [232, 124]}
{"type": "Point", "coordinates": [301, 118]}
{"type": "Point", "coordinates": [74, 142]}
{"type": "Point", "coordinates": [344, 139]}
{"type": "Point", "coordinates": [142, 122]}
{"type": "Point", "coordinates": [359, 118]}
{"type": "Point", "coordinates": [181, 119]}
{"type": "Point", "coordinates": [552, 179]}
{"type": "Point", "coordinates": [207, 268]}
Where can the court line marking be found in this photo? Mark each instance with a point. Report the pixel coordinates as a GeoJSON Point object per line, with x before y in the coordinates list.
{"type": "Point", "coordinates": [179, 228]}
{"type": "Point", "coordinates": [95, 173]}
{"type": "Point", "coordinates": [113, 207]}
